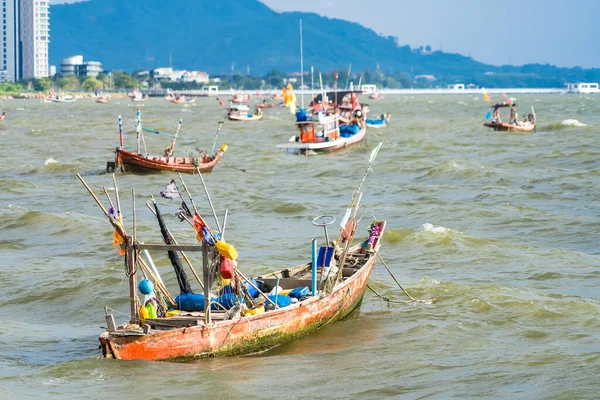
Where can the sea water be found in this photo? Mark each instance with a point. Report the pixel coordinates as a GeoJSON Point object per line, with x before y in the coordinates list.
{"type": "Point", "coordinates": [502, 228]}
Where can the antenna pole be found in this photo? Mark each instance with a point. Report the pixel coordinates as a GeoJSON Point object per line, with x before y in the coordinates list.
{"type": "Point", "coordinates": [301, 66]}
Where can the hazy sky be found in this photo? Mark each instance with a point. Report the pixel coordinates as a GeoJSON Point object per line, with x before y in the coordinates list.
{"type": "Point", "coordinates": [558, 32]}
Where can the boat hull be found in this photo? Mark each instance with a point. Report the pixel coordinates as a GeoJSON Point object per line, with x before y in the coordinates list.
{"type": "Point", "coordinates": [175, 164]}
{"type": "Point", "coordinates": [506, 127]}
{"type": "Point", "coordinates": [250, 334]}
{"type": "Point", "coordinates": [324, 146]}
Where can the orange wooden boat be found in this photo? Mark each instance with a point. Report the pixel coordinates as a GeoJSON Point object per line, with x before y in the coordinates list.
{"type": "Point", "coordinates": [505, 126]}
{"type": "Point", "coordinates": [325, 290]}
{"type": "Point", "coordinates": [191, 337]}
{"type": "Point", "coordinates": [125, 159]}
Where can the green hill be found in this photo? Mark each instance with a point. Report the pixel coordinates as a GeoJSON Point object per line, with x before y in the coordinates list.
{"type": "Point", "coordinates": [214, 35]}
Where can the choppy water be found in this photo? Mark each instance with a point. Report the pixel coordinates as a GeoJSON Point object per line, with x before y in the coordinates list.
{"type": "Point", "coordinates": [501, 227]}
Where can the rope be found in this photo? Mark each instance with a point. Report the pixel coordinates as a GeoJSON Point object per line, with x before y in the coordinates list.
{"type": "Point", "coordinates": [400, 286]}
{"type": "Point", "coordinates": [386, 298]}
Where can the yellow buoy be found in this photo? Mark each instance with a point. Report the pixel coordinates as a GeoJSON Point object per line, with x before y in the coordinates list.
{"type": "Point", "coordinates": [143, 315]}
{"type": "Point", "coordinates": [227, 250]}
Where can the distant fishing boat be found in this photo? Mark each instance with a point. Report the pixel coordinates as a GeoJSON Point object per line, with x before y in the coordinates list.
{"type": "Point", "coordinates": [126, 159]}
{"type": "Point", "coordinates": [241, 98]}
{"type": "Point", "coordinates": [380, 122]}
{"type": "Point", "coordinates": [330, 127]}
{"type": "Point", "coordinates": [179, 99]}
{"type": "Point", "coordinates": [241, 112]}
{"type": "Point", "coordinates": [234, 315]}
{"type": "Point", "coordinates": [376, 96]}
{"type": "Point", "coordinates": [63, 98]}
{"type": "Point", "coordinates": [526, 125]}
{"type": "Point", "coordinates": [100, 98]}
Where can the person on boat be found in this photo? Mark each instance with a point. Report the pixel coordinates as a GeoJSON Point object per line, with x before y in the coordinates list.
{"type": "Point", "coordinates": [496, 115]}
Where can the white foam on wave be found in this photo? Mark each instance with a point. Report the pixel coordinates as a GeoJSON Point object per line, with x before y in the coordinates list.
{"type": "Point", "coordinates": [50, 161]}
{"type": "Point", "coordinates": [427, 227]}
{"type": "Point", "coordinates": [572, 122]}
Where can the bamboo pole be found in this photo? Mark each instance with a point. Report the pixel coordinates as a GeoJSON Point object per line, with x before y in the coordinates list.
{"type": "Point", "coordinates": [209, 200]}
{"type": "Point", "coordinates": [115, 224]}
{"type": "Point", "coordinates": [237, 271]}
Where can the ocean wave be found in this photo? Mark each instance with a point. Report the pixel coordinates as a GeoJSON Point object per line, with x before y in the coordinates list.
{"type": "Point", "coordinates": [565, 124]}
{"type": "Point", "coordinates": [457, 169]}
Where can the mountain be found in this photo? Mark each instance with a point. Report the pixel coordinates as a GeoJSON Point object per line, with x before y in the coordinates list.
{"type": "Point", "coordinates": [220, 35]}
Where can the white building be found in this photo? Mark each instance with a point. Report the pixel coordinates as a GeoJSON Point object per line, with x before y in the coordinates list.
{"type": "Point", "coordinates": [75, 65]}
{"type": "Point", "coordinates": [35, 38]}
{"type": "Point", "coordinates": [25, 37]}
{"type": "Point", "coordinates": [171, 75]}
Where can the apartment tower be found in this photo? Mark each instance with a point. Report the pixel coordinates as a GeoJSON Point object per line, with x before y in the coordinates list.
{"type": "Point", "coordinates": [25, 38]}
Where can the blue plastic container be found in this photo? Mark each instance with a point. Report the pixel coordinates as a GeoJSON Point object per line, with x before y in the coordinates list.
{"type": "Point", "coordinates": [299, 292]}
{"type": "Point", "coordinates": [282, 301]}
{"type": "Point", "coordinates": [251, 291]}
{"type": "Point", "coordinates": [190, 302]}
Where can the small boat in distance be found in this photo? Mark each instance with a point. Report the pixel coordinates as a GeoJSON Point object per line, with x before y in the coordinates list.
{"type": "Point", "coordinates": [137, 96]}
{"type": "Point", "coordinates": [514, 124]}
{"type": "Point", "coordinates": [100, 98]}
{"type": "Point", "coordinates": [330, 126]}
{"type": "Point", "coordinates": [241, 112]}
{"type": "Point", "coordinates": [241, 98]}
{"type": "Point", "coordinates": [179, 99]}
{"type": "Point", "coordinates": [376, 96]}
{"type": "Point", "coordinates": [380, 122]}
{"type": "Point", "coordinates": [126, 159]}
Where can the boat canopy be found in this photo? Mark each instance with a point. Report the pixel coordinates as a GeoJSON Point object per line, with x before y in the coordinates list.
{"type": "Point", "coordinates": [331, 96]}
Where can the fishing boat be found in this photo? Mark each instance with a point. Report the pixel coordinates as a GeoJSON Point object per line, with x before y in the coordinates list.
{"type": "Point", "coordinates": [234, 315]}
{"type": "Point", "coordinates": [179, 99]}
{"type": "Point", "coordinates": [241, 98]}
{"type": "Point", "coordinates": [266, 104]}
{"type": "Point", "coordinates": [380, 122]}
{"type": "Point", "coordinates": [329, 127]}
{"type": "Point", "coordinates": [514, 124]}
{"type": "Point", "coordinates": [100, 98]}
{"type": "Point", "coordinates": [63, 98]}
{"type": "Point", "coordinates": [241, 112]}
{"type": "Point", "coordinates": [376, 96]}
{"type": "Point", "coordinates": [141, 159]}
{"type": "Point", "coordinates": [139, 97]}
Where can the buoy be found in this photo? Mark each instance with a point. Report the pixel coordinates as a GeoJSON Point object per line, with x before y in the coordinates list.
{"type": "Point", "coordinates": [227, 250]}
{"type": "Point", "coordinates": [145, 286]}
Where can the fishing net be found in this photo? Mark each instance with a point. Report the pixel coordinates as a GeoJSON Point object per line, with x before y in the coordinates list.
{"type": "Point", "coordinates": [184, 284]}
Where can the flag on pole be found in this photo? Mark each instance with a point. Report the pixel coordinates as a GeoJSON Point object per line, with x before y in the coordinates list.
{"type": "Point", "coordinates": [374, 152]}
{"type": "Point", "coordinates": [170, 192]}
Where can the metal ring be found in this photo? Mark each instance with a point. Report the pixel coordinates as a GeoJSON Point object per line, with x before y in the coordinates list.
{"type": "Point", "coordinates": [325, 220]}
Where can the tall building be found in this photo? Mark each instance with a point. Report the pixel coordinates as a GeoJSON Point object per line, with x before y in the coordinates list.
{"type": "Point", "coordinates": [10, 60]}
{"type": "Point", "coordinates": [25, 38]}
{"type": "Point", "coordinates": [35, 37]}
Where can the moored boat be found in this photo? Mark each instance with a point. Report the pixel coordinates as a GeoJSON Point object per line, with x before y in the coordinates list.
{"type": "Point", "coordinates": [179, 99]}
{"type": "Point", "coordinates": [241, 112]}
{"type": "Point", "coordinates": [329, 127]}
{"type": "Point", "coordinates": [126, 159]}
{"type": "Point", "coordinates": [380, 122]}
{"type": "Point", "coordinates": [235, 315]}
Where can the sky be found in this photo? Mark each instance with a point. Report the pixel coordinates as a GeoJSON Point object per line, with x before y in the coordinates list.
{"type": "Point", "coordinates": [517, 32]}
